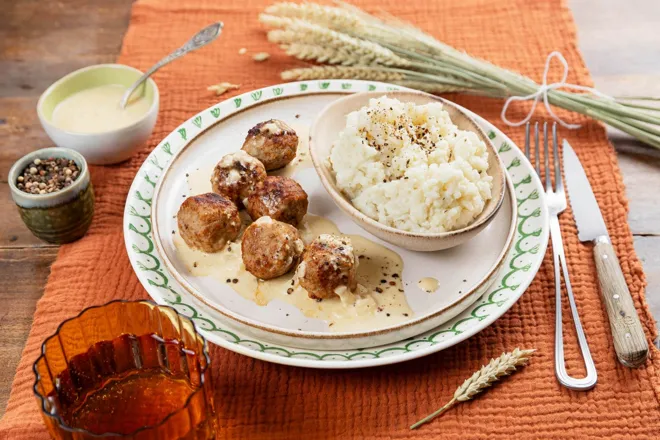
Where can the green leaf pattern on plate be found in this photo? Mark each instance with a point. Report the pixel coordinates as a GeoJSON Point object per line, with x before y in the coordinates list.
{"type": "Point", "coordinates": [504, 147]}
{"type": "Point", "coordinates": [147, 261]}
{"type": "Point", "coordinates": [154, 161]}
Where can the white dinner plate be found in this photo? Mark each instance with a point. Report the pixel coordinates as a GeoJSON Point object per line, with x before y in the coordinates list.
{"type": "Point", "coordinates": [242, 326]}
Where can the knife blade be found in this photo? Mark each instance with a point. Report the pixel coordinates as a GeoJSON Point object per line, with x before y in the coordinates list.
{"type": "Point", "coordinates": [629, 338]}
{"type": "Point", "coordinates": [587, 214]}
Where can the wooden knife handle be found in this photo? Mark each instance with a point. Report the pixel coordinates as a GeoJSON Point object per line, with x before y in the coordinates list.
{"type": "Point", "coordinates": [629, 338]}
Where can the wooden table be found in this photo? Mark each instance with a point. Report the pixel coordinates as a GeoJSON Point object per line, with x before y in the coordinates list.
{"type": "Point", "coordinates": [41, 41]}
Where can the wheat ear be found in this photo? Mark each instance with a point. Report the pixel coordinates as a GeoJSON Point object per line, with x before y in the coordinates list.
{"type": "Point", "coordinates": [430, 87]}
{"type": "Point", "coordinates": [353, 50]}
{"type": "Point", "coordinates": [482, 379]}
{"type": "Point", "coordinates": [341, 72]}
{"type": "Point", "coordinates": [327, 16]}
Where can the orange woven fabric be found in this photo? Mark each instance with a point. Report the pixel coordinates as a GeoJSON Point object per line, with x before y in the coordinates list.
{"type": "Point", "coordinates": [260, 400]}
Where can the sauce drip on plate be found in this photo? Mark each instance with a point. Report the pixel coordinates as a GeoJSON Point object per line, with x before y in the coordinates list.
{"type": "Point", "coordinates": [378, 302]}
{"type": "Point", "coordinates": [428, 284]}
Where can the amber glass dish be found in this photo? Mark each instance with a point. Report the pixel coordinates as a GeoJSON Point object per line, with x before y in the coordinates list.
{"type": "Point", "coordinates": [129, 370]}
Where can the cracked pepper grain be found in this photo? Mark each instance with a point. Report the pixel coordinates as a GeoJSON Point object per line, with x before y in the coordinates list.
{"type": "Point", "coordinates": [43, 176]}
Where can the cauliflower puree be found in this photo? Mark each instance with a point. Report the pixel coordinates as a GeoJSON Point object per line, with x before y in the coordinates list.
{"type": "Point", "coordinates": [410, 167]}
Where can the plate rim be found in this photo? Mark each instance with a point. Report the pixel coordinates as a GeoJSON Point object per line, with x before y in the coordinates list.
{"type": "Point", "coordinates": [317, 360]}
{"type": "Point", "coordinates": [158, 237]}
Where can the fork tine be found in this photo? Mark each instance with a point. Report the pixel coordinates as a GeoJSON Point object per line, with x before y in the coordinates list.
{"type": "Point", "coordinates": [536, 149]}
{"type": "Point", "coordinates": [546, 159]}
{"type": "Point", "coordinates": [559, 184]}
{"type": "Point", "coordinates": [527, 140]}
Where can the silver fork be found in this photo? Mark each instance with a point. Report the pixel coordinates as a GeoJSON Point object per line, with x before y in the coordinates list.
{"type": "Point", "coordinates": [556, 200]}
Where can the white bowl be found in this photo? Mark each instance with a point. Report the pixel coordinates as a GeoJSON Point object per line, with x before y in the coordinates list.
{"type": "Point", "coordinates": [332, 120]}
{"type": "Point", "coordinates": [110, 146]}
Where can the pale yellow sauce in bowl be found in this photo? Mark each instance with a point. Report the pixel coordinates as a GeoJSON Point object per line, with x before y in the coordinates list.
{"type": "Point", "coordinates": [81, 111]}
{"type": "Point", "coordinates": [97, 110]}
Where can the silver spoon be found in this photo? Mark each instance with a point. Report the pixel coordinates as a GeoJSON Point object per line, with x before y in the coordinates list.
{"type": "Point", "coordinates": [201, 38]}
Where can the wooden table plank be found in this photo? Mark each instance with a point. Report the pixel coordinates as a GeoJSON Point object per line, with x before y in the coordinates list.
{"type": "Point", "coordinates": [31, 267]}
{"type": "Point", "coordinates": [647, 249]}
{"type": "Point", "coordinates": [42, 41]}
{"type": "Point", "coordinates": [641, 174]}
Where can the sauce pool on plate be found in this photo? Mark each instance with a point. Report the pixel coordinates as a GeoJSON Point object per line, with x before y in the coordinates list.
{"type": "Point", "coordinates": [378, 302]}
{"type": "Point", "coordinates": [97, 110]}
{"type": "Point", "coordinates": [428, 284]}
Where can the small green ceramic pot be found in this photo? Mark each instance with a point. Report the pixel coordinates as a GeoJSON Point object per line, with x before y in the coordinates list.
{"type": "Point", "coordinates": [61, 216]}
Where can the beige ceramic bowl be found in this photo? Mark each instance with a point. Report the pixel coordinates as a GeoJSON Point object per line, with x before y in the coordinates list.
{"type": "Point", "coordinates": [332, 120]}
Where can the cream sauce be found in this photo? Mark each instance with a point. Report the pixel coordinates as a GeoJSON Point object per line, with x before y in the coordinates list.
{"type": "Point", "coordinates": [378, 302]}
{"type": "Point", "coordinates": [428, 284]}
{"type": "Point", "coordinates": [97, 110]}
{"type": "Point", "coordinates": [199, 180]}
{"type": "Point", "coordinates": [303, 159]}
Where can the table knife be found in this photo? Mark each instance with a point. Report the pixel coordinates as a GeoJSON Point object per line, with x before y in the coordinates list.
{"type": "Point", "coordinates": [629, 338]}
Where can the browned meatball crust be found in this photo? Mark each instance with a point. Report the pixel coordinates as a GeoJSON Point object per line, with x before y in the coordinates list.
{"type": "Point", "coordinates": [208, 221]}
{"type": "Point", "coordinates": [328, 264]}
{"type": "Point", "coordinates": [272, 142]}
{"type": "Point", "coordinates": [236, 176]}
{"type": "Point", "coordinates": [270, 248]}
{"type": "Point", "coordinates": [280, 198]}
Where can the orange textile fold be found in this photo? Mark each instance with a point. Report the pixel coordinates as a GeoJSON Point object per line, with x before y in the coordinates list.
{"type": "Point", "coordinates": [261, 400]}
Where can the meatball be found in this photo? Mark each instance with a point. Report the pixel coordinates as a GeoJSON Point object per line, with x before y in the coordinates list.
{"type": "Point", "coordinates": [208, 221]}
{"type": "Point", "coordinates": [272, 142]}
{"type": "Point", "coordinates": [280, 198]}
{"type": "Point", "coordinates": [328, 265]}
{"type": "Point", "coordinates": [236, 176]}
{"type": "Point", "coordinates": [270, 248]}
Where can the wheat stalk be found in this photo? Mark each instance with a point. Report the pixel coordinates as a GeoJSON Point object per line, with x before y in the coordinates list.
{"type": "Point", "coordinates": [344, 18]}
{"type": "Point", "coordinates": [328, 55]}
{"type": "Point", "coordinates": [482, 379]}
{"type": "Point", "coordinates": [403, 77]}
{"type": "Point", "coordinates": [328, 72]}
{"type": "Point", "coordinates": [367, 74]}
{"type": "Point", "coordinates": [430, 87]}
{"type": "Point", "coordinates": [360, 52]}
{"type": "Point", "coordinates": [327, 16]}
{"type": "Point", "coordinates": [310, 52]}
{"type": "Point", "coordinates": [275, 21]}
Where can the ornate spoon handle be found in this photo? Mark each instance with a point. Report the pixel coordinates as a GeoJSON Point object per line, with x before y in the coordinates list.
{"type": "Point", "coordinates": [201, 38]}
